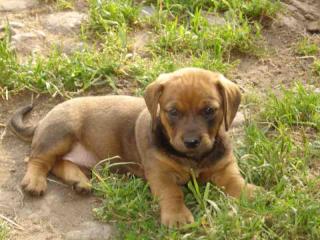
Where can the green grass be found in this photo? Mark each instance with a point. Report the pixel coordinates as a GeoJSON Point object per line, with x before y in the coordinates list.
{"type": "Point", "coordinates": [65, 4]}
{"type": "Point", "coordinates": [276, 153]}
{"type": "Point", "coordinates": [106, 15]}
{"type": "Point", "coordinates": [181, 36]}
{"type": "Point", "coordinates": [316, 66]}
{"type": "Point", "coordinates": [306, 47]}
{"type": "Point", "coordinates": [3, 231]}
{"type": "Point", "coordinates": [297, 106]}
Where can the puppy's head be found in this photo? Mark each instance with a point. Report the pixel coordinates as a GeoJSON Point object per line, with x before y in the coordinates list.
{"type": "Point", "coordinates": [194, 105]}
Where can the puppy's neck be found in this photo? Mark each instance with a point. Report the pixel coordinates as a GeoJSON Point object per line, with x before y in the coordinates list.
{"type": "Point", "coordinates": [219, 149]}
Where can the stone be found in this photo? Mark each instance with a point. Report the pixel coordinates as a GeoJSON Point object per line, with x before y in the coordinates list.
{"type": "Point", "coordinates": [313, 27]}
{"type": "Point", "coordinates": [28, 42]}
{"type": "Point", "coordinates": [147, 11]}
{"type": "Point", "coordinates": [15, 24]}
{"type": "Point", "coordinates": [309, 16]}
{"type": "Point", "coordinates": [140, 40]}
{"type": "Point", "coordinates": [90, 231]}
{"type": "Point", "coordinates": [22, 37]}
{"type": "Point", "coordinates": [289, 22]}
{"type": "Point", "coordinates": [16, 5]}
{"type": "Point", "coordinates": [11, 25]}
{"type": "Point", "coordinates": [214, 20]}
{"type": "Point", "coordinates": [238, 120]}
{"type": "Point", "coordinates": [64, 22]}
{"type": "Point", "coordinates": [69, 47]}
{"type": "Point", "coordinates": [305, 8]}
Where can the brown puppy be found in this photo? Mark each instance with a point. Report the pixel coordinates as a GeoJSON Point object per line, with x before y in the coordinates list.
{"type": "Point", "coordinates": [180, 127]}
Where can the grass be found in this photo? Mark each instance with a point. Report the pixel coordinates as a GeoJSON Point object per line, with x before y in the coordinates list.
{"type": "Point", "coordinates": [3, 231]}
{"type": "Point", "coordinates": [306, 47]}
{"type": "Point", "coordinates": [181, 36]}
{"type": "Point", "coordinates": [299, 106]}
{"type": "Point", "coordinates": [316, 66]}
{"type": "Point", "coordinates": [65, 4]}
{"type": "Point", "coordinates": [277, 152]}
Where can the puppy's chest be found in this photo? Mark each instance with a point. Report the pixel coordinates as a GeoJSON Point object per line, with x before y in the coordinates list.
{"type": "Point", "coordinates": [186, 174]}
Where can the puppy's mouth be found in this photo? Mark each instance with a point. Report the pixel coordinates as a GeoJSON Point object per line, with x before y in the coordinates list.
{"type": "Point", "coordinates": [178, 150]}
{"type": "Point", "coordinates": [196, 154]}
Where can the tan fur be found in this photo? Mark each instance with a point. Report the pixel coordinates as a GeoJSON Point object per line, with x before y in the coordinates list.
{"type": "Point", "coordinates": [129, 127]}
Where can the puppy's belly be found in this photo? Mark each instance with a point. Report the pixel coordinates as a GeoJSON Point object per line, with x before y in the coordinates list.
{"type": "Point", "coordinates": [81, 156]}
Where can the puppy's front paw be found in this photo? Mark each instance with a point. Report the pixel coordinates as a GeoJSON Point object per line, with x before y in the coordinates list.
{"type": "Point", "coordinates": [34, 185]}
{"type": "Point", "coordinates": [176, 218]}
{"type": "Point", "coordinates": [250, 190]}
{"type": "Point", "coordinates": [83, 187]}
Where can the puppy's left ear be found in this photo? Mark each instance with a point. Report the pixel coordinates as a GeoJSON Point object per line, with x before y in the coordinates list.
{"type": "Point", "coordinates": [152, 95]}
{"type": "Point", "coordinates": [231, 96]}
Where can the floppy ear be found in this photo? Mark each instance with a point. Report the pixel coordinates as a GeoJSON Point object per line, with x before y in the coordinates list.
{"type": "Point", "coordinates": [152, 95]}
{"type": "Point", "coordinates": [231, 96]}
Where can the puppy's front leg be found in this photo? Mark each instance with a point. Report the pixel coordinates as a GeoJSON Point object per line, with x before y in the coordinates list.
{"type": "Point", "coordinates": [174, 212]}
{"type": "Point", "coordinates": [227, 176]}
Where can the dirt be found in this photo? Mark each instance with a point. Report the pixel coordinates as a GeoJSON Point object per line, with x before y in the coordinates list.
{"type": "Point", "coordinates": [280, 65]}
{"type": "Point", "coordinates": [62, 211]}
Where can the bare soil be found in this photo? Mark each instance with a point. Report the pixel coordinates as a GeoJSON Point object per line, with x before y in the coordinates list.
{"type": "Point", "coordinates": [61, 210]}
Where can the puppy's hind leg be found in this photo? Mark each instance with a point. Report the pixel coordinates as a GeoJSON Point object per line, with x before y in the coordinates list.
{"type": "Point", "coordinates": [45, 150]}
{"type": "Point", "coordinates": [73, 175]}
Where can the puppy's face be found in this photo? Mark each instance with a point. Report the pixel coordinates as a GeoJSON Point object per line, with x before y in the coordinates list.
{"type": "Point", "coordinates": [191, 112]}
{"type": "Point", "coordinates": [194, 104]}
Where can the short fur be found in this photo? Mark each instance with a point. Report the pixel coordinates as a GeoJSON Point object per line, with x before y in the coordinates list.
{"type": "Point", "coordinates": [180, 127]}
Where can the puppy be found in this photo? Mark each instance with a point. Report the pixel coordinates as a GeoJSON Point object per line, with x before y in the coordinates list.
{"type": "Point", "coordinates": [179, 127]}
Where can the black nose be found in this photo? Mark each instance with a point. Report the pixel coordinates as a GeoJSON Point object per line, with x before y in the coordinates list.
{"type": "Point", "coordinates": [192, 142]}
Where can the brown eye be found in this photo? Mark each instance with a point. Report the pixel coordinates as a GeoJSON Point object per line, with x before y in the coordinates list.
{"type": "Point", "coordinates": [208, 111]}
{"type": "Point", "coordinates": [173, 112]}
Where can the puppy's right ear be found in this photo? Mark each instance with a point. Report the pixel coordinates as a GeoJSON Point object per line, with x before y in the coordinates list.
{"type": "Point", "coordinates": [152, 95]}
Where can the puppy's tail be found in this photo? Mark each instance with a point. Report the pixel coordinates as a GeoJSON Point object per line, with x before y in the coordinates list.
{"type": "Point", "coordinates": [18, 127]}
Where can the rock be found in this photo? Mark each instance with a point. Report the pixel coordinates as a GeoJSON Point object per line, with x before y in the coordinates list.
{"type": "Point", "coordinates": [305, 8]}
{"type": "Point", "coordinates": [11, 24]}
{"type": "Point", "coordinates": [238, 120]}
{"type": "Point", "coordinates": [15, 24]}
{"type": "Point", "coordinates": [90, 231]}
{"type": "Point", "coordinates": [70, 46]}
{"type": "Point", "coordinates": [16, 5]}
{"type": "Point", "coordinates": [40, 33]}
{"type": "Point", "coordinates": [22, 37]}
{"type": "Point", "coordinates": [214, 20]}
{"type": "Point", "coordinates": [64, 22]}
{"type": "Point", "coordinates": [28, 42]}
{"type": "Point", "coordinates": [147, 11]}
{"type": "Point", "coordinates": [290, 22]}
{"type": "Point", "coordinates": [309, 16]}
{"type": "Point", "coordinates": [313, 27]}
{"type": "Point", "coordinates": [140, 40]}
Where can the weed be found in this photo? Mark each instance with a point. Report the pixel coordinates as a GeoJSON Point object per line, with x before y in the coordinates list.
{"type": "Point", "coordinates": [316, 66]}
{"type": "Point", "coordinates": [3, 231]}
{"type": "Point", "coordinates": [181, 34]}
{"type": "Point", "coordinates": [298, 106]}
{"type": "Point", "coordinates": [65, 4]}
{"type": "Point", "coordinates": [306, 47]}
{"type": "Point", "coordinates": [105, 15]}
